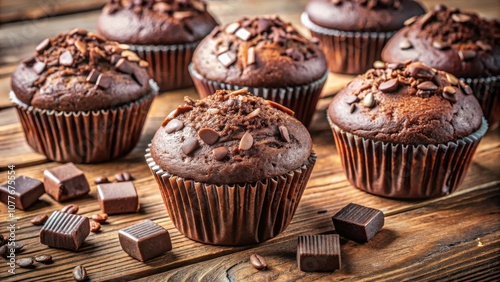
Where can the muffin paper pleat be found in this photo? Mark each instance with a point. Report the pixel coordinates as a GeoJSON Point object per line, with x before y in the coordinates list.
{"type": "Point", "coordinates": [346, 51]}
{"type": "Point", "coordinates": [300, 99]}
{"type": "Point", "coordinates": [405, 171]}
{"type": "Point", "coordinates": [168, 64]}
{"type": "Point", "coordinates": [487, 92]}
{"type": "Point", "coordinates": [84, 137]}
{"type": "Point", "coordinates": [237, 214]}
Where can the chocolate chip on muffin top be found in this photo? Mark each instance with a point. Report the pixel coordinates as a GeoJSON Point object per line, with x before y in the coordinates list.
{"type": "Point", "coordinates": [230, 137]}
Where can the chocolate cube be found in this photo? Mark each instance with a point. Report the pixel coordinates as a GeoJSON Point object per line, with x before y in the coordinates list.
{"type": "Point", "coordinates": [65, 231]}
{"type": "Point", "coordinates": [23, 191]}
{"type": "Point", "coordinates": [358, 223]}
{"type": "Point", "coordinates": [115, 198]}
{"type": "Point", "coordinates": [65, 182]}
{"type": "Point", "coordinates": [145, 240]}
{"type": "Point", "coordinates": [317, 253]}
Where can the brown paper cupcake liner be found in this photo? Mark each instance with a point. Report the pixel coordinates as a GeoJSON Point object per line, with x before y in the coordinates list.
{"type": "Point", "coordinates": [405, 171]}
{"type": "Point", "coordinates": [86, 136]}
{"type": "Point", "coordinates": [300, 99]}
{"type": "Point", "coordinates": [168, 64]}
{"type": "Point", "coordinates": [239, 214]}
{"type": "Point", "coordinates": [348, 52]}
{"type": "Point", "coordinates": [487, 92]}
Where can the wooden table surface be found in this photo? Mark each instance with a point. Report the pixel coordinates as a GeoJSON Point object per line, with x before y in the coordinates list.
{"type": "Point", "coordinates": [456, 237]}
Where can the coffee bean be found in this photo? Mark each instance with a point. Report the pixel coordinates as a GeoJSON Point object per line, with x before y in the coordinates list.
{"type": "Point", "coordinates": [79, 273]}
{"type": "Point", "coordinates": [43, 258]}
{"type": "Point", "coordinates": [369, 101]}
{"type": "Point", "coordinates": [101, 180]}
{"type": "Point", "coordinates": [17, 246]}
{"type": "Point", "coordinates": [95, 226]}
{"type": "Point", "coordinates": [39, 219]}
{"type": "Point", "coordinates": [284, 133]}
{"type": "Point", "coordinates": [174, 125]}
{"type": "Point", "coordinates": [190, 145]}
{"type": "Point", "coordinates": [72, 209]}
{"type": "Point", "coordinates": [100, 217]}
{"type": "Point", "coordinates": [389, 86]}
{"type": "Point", "coordinates": [123, 176]}
{"type": "Point", "coordinates": [258, 262]}
{"type": "Point", "coordinates": [25, 262]}
{"type": "Point", "coordinates": [246, 142]}
{"type": "Point", "coordinates": [208, 135]}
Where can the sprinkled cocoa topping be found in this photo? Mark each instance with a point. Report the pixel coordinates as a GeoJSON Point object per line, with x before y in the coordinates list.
{"type": "Point", "coordinates": [178, 9]}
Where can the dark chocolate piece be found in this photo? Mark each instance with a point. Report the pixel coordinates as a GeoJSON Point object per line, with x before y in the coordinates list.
{"type": "Point", "coordinates": [124, 66]}
{"type": "Point", "coordinates": [104, 81]}
{"type": "Point", "coordinates": [65, 231]}
{"type": "Point", "coordinates": [116, 198]}
{"type": "Point", "coordinates": [145, 240]}
{"type": "Point", "coordinates": [65, 182]}
{"type": "Point", "coordinates": [23, 191]}
{"type": "Point", "coordinates": [66, 59]}
{"type": "Point", "coordinates": [358, 223]}
{"type": "Point", "coordinates": [93, 75]}
{"type": "Point", "coordinates": [318, 253]}
{"type": "Point", "coordinates": [388, 86]}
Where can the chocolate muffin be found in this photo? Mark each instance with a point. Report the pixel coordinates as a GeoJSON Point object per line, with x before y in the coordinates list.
{"type": "Point", "coordinates": [406, 130]}
{"type": "Point", "coordinates": [460, 43]}
{"type": "Point", "coordinates": [164, 33]}
{"type": "Point", "coordinates": [225, 163]}
{"type": "Point", "coordinates": [353, 32]}
{"type": "Point", "coordinates": [265, 55]}
{"type": "Point", "coordinates": [81, 98]}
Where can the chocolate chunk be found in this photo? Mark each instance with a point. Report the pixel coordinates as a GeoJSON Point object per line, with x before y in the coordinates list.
{"type": "Point", "coordinates": [369, 101]}
{"type": "Point", "coordinates": [243, 34]}
{"type": "Point", "coordinates": [231, 28]}
{"type": "Point", "coordinates": [441, 45]}
{"type": "Point", "coordinates": [80, 273]}
{"type": "Point", "coordinates": [220, 153]}
{"type": "Point", "coordinates": [145, 240]}
{"type": "Point", "coordinates": [174, 125]}
{"type": "Point", "coordinates": [251, 56]}
{"type": "Point", "coordinates": [42, 46]}
{"type": "Point", "coordinates": [38, 67]}
{"type": "Point", "coordinates": [81, 46]}
{"type": "Point", "coordinates": [140, 76]}
{"type": "Point", "coordinates": [22, 191]}
{"type": "Point", "coordinates": [449, 90]}
{"type": "Point", "coordinates": [451, 79]}
{"type": "Point", "coordinates": [284, 133]}
{"type": "Point", "coordinates": [460, 18]}
{"type": "Point", "coordinates": [246, 142]}
{"type": "Point", "coordinates": [378, 65]}
{"type": "Point", "coordinates": [65, 231]}
{"type": "Point", "coordinates": [39, 219]}
{"type": "Point", "coordinates": [352, 99]}
{"type": "Point", "coordinates": [295, 54]}
{"type": "Point", "coordinates": [427, 85]}
{"type": "Point", "coordinates": [124, 66]}
{"type": "Point", "coordinates": [43, 258]}
{"type": "Point", "coordinates": [93, 75]}
{"type": "Point", "coordinates": [72, 209]}
{"type": "Point", "coordinates": [318, 253]}
{"type": "Point", "coordinates": [101, 180]}
{"type": "Point", "coordinates": [483, 45]}
{"type": "Point", "coordinates": [104, 81]}
{"type": "Point", "coordinates": [66, 59]}
{"type": "Point", "coordinates": [65, 182]}
{"type": "Point", "coordinates": [280, 107]}
{"type": "Point", "coordinates": [466, 55]}
{"type": "Point", "coordinates": [358, 223]}
{"type": "Point", "coordinates": [263, 25]}
{"type": "Point", "coordinates": [410, 21]}
{"type": "Point", "coordinates": [100, 217]}
{"type": "Point", "coordinates": [190, 145]}
{"type": "Point", "coordinates": [405, 44]}
{"type": "Point", "coordinates": [258, 262]}
{"type": "Point", "coordinates": [115, 58]}
{"type": "Point", "coordinates": [95, 226]}
{"type": "Point", "coordinates": [208, 135]}
{"type": "Point", "coordinates": [25, 262]}
{"type": "Point", "coordinates": [419, 70]}
{"type": "Point", "coordinates": [389, 86]}
{"type": "Point", "coordinates": [117, 198]}
{"type": "Point", "coordinates": [227, 58]}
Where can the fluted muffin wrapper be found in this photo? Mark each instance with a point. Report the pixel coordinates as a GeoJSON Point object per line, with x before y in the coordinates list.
{"type": "Point", "coordinates": [487, 92]}
{"type": "Point", "coordinates": [84, 136]}
{"type": "Point", "coordinates": [405, 171]}
{"type": "Point", "coordinates": [168, 64]}
{"type": "Point", "coordinates": [300, 99]}
{"type": "Point", "coordinates": [238, 214]}
{"type": "Point", "coordinates": [348, 52]}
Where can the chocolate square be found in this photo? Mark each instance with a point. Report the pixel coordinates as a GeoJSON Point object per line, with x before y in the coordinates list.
{"type": "Point", "coordinates": [25, 192]}
{"type": "Point", "coordinates": [317, 253]}
{"type": "Point", "coordinates": [65, 182]}
{"type": "Point", "coordinates": [358, 223]}
{"type": "Point", "coordinates": [116, 198]}
{"type": "Point", "coordinates": [145, 240]}
{"type": "Point", "coordinates": [65, 231]}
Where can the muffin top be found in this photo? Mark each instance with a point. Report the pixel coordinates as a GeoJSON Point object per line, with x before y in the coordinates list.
{"type": "Point", "coordinates": [160, 22]}
{"type": "Point", "coordinates": [229, 138]}
{"type": "Point", "coordinates": [407, 103]}
{"type": "Point", "coordinates": [458, 42]}
{"type": "Point", "coordinates": [362, 15]}
{"type": "Point", "coordinates": [259, 52]}
{"type": "Point", "coordinates": [80, 71]}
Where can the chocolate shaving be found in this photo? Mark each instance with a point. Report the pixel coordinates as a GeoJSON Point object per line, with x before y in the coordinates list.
{"type": "Point", "coordinates": [280, 107]}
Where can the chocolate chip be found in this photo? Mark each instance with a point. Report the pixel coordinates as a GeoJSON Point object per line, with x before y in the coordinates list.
{"type": "Point", "coordinates": [123, 176]}
{"type": "Point", "coordinates": [369, 101]}
{"type": "Point", "coordinates": [93, 75]}
{"type": "Point", "coordinates": [43, 258]}
{"type": "Point", "coordinates": [353, 108]}
{"type": "Point", "coordinates": [251, 56]}
{"type": "Point", "coordinates": [231, 28]}
{"type": "Point", "coordinates": [227, 58]}
{"type": "Point", "coordinates": [243, 34]}
{"type": "Point", "coordinates": [124, 66]}
{"type": "Point", "coordinates": [451, 79]}
{"type": "Point", "coordinates": [66, 59]}
{"type": "Point", "coordinates": [220, 153]}
{"type": "Point", "coordinates": [460, 18]}
{"type": "Point", "coordinates": [104, 81]}
{"type": "Point", "coordinates": [38, 67]}
{"type": "Point", "coordinates": [466, 55]}
{"type": "Point", "coordinates": [284, 133]}
{"type": "Point", "coordinates": [95, 226]}
{"type": "Point", "coordinates": [101, 180]}
{"type": "Point", "coordinates": [246, 142]}
{"type": "Point", "coordinates": [174, 125]}
{"type": "Point", "coordinates": [441, 45]}
{"type": "Point", "coordinates": [71, 209]}
{"type": "Point", "coordinates": [352, 99]}
{"type": "Point", "coordinates": [280, 107]}
{"type": "Point", "coordinates": [467, 89]}
{"type": "Point", "coordinates": [25, 262]}
{"type": "Point", "coordinates": [208, 135]}
{"type": "Point", "coordinates": [42, 46]}
{"type": "Point", "coordinates": [190, 144]}
{"type": "Point", "coordinates": [419, 70]}
{"type": "Point", "coordinates": [295, 54]}
{"type": "Point", "coordinates": [449, 90]}
{"type": "Point", "coordinates": [452, 98]}
{"type": "Point", "coordinates": [263, 25]}
{"type": "Point", "coordinates": [258, 262]}
{"type": "Point", "coordinates": [39, 219]}
{"type": "Point", "coordinates": [79, 273]}
{"type": "Point", "coordinates": [427, 85]}
{"type": "Point", "coordinates": [379, 65]}
{"type": "Point", "coordinates": [483, 45]}
{"type": "Point", "coordinates": [410, 21]}
{"type": "Point", "coordinates": [389, 86]}
{"type": "Point", "coordinates": [405, 44]}
{"type": "Point", "coordinates": [81, 46]}
{"type": "Point", "coordinates": [100, 217]}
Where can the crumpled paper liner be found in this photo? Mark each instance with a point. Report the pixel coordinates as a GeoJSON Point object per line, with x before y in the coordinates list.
{"type": "Point", "coordinates": [348, 52]}
{"type": "Point", "coordinates": [487, 92]}
{"type": "Point", "coordinates": [405, 171]}
{"type": "Point", "coordinates": [84, 137]}
{"type": "Point", "coordinates": [168, 64]}
{"type": "Point", "coordinates": [300, 99]}
{"type": "Point", "coordinates": [239, 214]}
